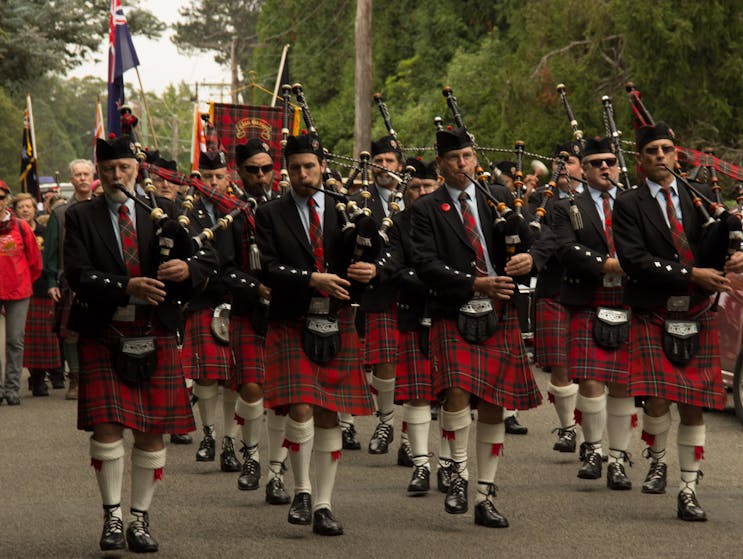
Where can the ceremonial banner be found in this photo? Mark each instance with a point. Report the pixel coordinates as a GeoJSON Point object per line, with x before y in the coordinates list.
{"type": "Point", "coordinates": [198, 139]}
{"type": "Point", "coordinates": [29, 176]}
{"type": "Point", "coordinates": [121, 57]}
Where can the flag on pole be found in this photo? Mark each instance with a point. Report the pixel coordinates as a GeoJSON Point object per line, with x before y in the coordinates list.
{"type": "Point", "coordinates": [121, 57]}
{"type": "Point", "coordinates": [198, 138]}
{"type": "Point", "coordinates": [100, 132]}
{"type": "Point", "coordinates": [29, 176]}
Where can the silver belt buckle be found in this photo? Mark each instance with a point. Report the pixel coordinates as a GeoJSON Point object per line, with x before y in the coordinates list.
{"type": "Point", "coordinates": [612, 280]}
{"type": "Point", "coordinates": [319, 305]}
{"type": "Point", "coordinates": [678, 303]}
{"type": "Point", "coordinates": [124, 314]}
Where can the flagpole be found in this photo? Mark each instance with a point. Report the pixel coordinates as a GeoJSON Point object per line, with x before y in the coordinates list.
{"type": "Point", "coordinates": [278, 77]}
{"type": "Point", "coordinates": [146, 107]}
{"type": "Point", "coordinates": [31, 125]}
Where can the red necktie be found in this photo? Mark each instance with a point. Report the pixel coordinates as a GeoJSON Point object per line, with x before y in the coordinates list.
{"type": "Point", "coordinates": [471, 229]}
{"type": "Point", "coordinates": [607, 222]}
{"type": "Point", "coordinates": [129, 242]}
{"type": "Point", "coordinates": [686, 257]}
{"type": "Point", "coordinates": [316, 236]}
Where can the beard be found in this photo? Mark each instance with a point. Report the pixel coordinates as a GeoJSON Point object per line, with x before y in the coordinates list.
{"type": "Point", "coordinates": [385, 180]}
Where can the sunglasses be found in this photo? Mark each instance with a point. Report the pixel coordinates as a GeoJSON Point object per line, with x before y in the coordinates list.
{"type": "Point", "coordinates": [655, 149]}
{"type": "Point", "coordinates": [253, 169]}
{"type": "Point", "coordinates": [596, 163]}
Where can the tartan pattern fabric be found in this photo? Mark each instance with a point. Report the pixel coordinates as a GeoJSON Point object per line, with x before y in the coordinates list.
{"type": "Point", "coordinates": [470, 228]}
{"type": "Point", "coordinates": [497, 371]}
{"type": "Point", "coordinates": [318, 251]}
{"type": "Point", "coordinates": [159, 405]}
{"type": "Point", "coordinates": [413, 380]}
{"type": "Point", "coordinates": [607, 222]}
{"type": "Point", "coordinates": [651, 374]}
{"type": "Point", "coordinates": [677, 232]}
{"type": "Point", "coordinates": [586, 360]}
{"type": "Point", "coordinates": [203, 357]}
{"type": "Point", "coordinates": [41, 345]}
{"type": "Point", "coordinates": [382, 337]}
{"type": "Point", "coordinates": [551, 333]}
{"type": "Point", "coordinates": [129, 247]}
{"type": "Point", "coordinates": [291, 378]}
{"type": "Point", "coordinates": [236, 124]}
{"type": "Point", "coordinates": [248, 352]}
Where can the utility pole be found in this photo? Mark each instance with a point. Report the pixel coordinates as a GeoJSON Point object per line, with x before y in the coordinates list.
{"type": "Point", "coordinates": [233, 64]}
{"type": "Point", "coordinates": [174, 139]}
{"type": "Point", "coordinates": [363, 77]}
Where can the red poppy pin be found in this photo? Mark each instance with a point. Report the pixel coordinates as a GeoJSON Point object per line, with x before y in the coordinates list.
{"type": "Point", "coordinates": [445, 207]}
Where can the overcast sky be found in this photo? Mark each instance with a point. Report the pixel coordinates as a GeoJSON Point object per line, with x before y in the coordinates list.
{"type": "Point", "coordinates": [160, 63]}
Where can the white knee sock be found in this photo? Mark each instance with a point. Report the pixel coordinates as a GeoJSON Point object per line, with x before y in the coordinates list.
{"type": "Point", "coordinates": [620, 416]}
{"type": "Point", "coordinates": [564, 398]}
{"type": "Point", "coordinates": [489, 449]}
{"type": "Point", "coordinates": [385, 397]}
{"type": "Point", "coordinates": [108, 461]}
{"type": "Point", "coordinates": [691, 439]}
{"type": "Point", "coordinates": [229, 402]}
{"type": "Point", "coordinates": [418, 421]}
{"type": "Point", "coordinates": [456, 428]}
{"type": "Point", "coordinates": [655, 434]}
{"type": "Point", "coordinates": [299, 441]}
{"type": "Point", "coordinates": [328, 444]}
{"type": "Point", "coordinates": [593, 418]}
{"type": "Point", "coordinates": [276, 427]}
{"type": "Point", "coordinates": [250, 419]}
{"type": "Point", "coordinates": [147, 468]}
{"type": "Point", "coordinates": [207, 402]}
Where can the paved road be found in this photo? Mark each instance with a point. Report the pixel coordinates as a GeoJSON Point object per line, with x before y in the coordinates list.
{"type": "Point", "coordinates": [49, 503]}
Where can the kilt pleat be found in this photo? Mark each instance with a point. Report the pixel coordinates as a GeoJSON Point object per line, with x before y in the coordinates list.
{"type": "Point", "coordinates": [381, 337]}
{"type": "Point", "coordinates": [413, 380]}
{"type": "Point", "coordinates": [551, 333]}
{"type": "Point", "coordinates": [160, 405]}
{"type": "Point", "coordinates": [699, 383]}
{"type": "Point", "coordinates": [496, 371]}
{"type": "Point", "coordinates": [203, 357]}
{"type": "Point", "coordinates": [291, 378]}
{"type": "Point", "coordinates": [41, 345]}
{"type": "Point", "coordinates": [248, 352]}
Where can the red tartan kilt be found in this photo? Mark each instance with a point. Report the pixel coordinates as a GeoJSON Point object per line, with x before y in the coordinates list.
{"type": "Point", "coordinates": [651, 374]}
{"type": "Point", "coordinates": [248, 352]}
{"type": "Point", "coordinates": [413, 372]}
{"type": "Point", "coordinates": [41, 345]}
{"type": "Point", "coordinates": [160, 405]}
{"type": "Point", "coordinates": [586, 360]}
{"type": "Point", "coordinates": [380, 344]}
{"type": "Point", "coordinates": [551, 333]}
{"type": "Point", "coordinates": [291, 378]}
{"type": "Point", "coordinates": [497, 371]}
{"type": "Point", "coordinates": [204, 358]}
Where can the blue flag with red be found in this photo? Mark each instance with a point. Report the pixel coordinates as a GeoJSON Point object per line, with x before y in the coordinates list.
{"type": "Point", "coordinates": [121, 57]}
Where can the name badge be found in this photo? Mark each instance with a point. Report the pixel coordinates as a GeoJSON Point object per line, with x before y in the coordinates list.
{"type": "Point", "coordinates": [124, 314]}
{"type": "Point", "coordinates": [678, 303]}
{"type": "Point", "coordinates": [612, 280]}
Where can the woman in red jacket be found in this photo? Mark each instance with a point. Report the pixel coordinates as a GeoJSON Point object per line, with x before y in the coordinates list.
{"type": "Point", "coordinates": [20, 266]}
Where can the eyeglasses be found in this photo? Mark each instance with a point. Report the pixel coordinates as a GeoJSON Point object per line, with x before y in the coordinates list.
{"type": "Point", "coordinates": [596, 163]}
{"type": "Point", "coordinates": [253, 169]}
{"type": "Point", "coordinates": [654, 150]}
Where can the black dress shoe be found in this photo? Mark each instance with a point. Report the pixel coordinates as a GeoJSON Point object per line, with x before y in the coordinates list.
{"type": "Point", "coordinates": [57, 378]}
{"type": "Point", "coordinates": [183, 438]}
{"type": "Point", "coordinates": [443, 479]}
{"type": "Point", "coordinates": [228, 461]}
{"type": "Point", "coordinates": [276, 492]}
{"type": "Point", "coordinates": [456, 497]}
{"type": "Point", "coordinates": [381, 438]}
{"type": "Point", "coordinates": [487, 515]}
{"type": "Point", "coordinates": [325, 524]}
{"type": "Point", "coordinates": [405, 455]}
{"type": "Point", "coordinates": [249, 476]}
{"type": "Point", "coordinates": [138, 536]}
{"type": "Point", "coordinates": [616, 478]}
{"type": "Point", "coordinates": [420, 482]}
{"type": "Point", "coordinates": [591, 468]}
{"type": "Point", "coordinates": [689, 508]}
{"type": "Point", "coordinates": [112, 536]}
{"type": "Point", "coordinates": [584, 450]}
{"type": "Point", "coordinates": [655, 481]}
{"type": "Point", "coordinates": [207, 446]}
{"type": "Point", "coordinates": [350, 438]}
{"type": "Point", "coordinates": [513, 427]}
{"type": "Point", "coordinates": [565, 439]}
{"type": "Point", "coordinates": [300, 511]}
